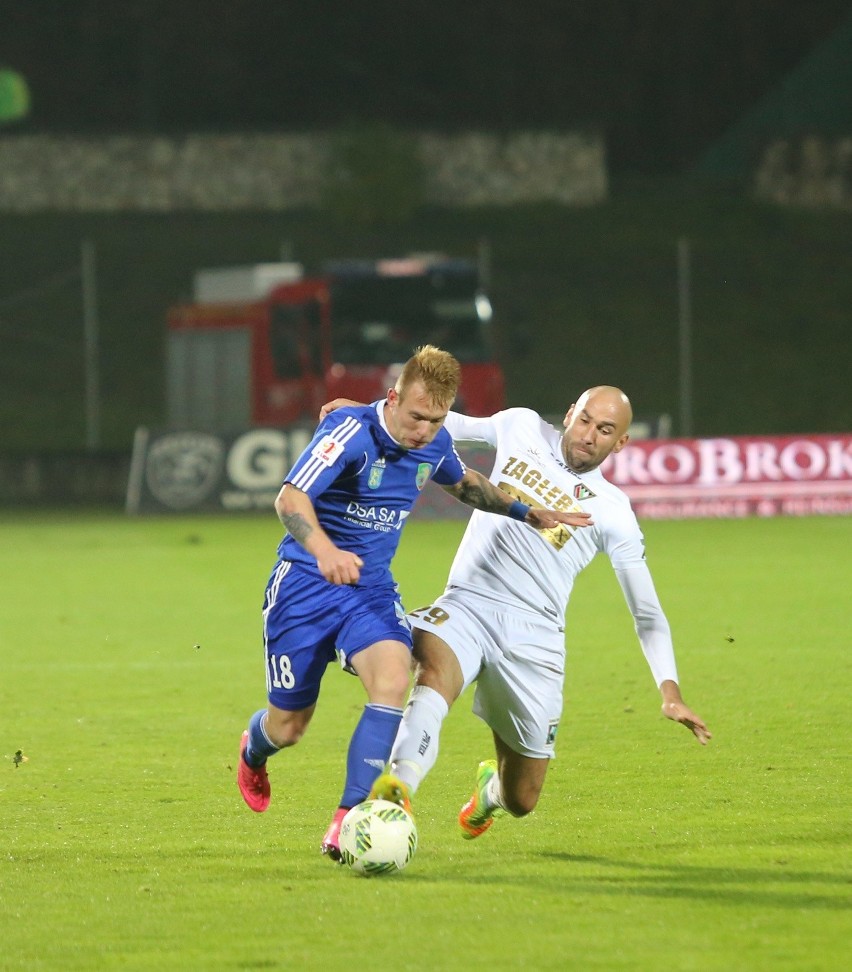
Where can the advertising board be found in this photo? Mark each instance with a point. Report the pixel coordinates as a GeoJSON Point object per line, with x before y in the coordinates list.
{"type": "Point", "coordinates": [797, 475]}
{"type": "Point", "coordinates": [801, 475]}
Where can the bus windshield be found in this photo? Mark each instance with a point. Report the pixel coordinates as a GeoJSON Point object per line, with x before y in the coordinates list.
{"type": "Point", "coordinates": [380, 320]}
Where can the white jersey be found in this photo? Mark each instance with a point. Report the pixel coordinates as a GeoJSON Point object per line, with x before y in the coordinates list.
{"type": "Point", "coordinates": [513, 563]}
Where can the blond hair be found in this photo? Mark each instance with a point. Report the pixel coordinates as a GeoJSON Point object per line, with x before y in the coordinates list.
{"type": "Point", "coordinates": [438, 372]}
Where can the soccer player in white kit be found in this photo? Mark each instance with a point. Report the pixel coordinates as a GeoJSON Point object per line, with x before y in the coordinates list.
{"type": "Point", "coordinates": [500, 620]}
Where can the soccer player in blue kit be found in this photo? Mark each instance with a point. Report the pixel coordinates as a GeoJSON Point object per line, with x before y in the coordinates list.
{"type": "Point", "coordinates": [344, 504]}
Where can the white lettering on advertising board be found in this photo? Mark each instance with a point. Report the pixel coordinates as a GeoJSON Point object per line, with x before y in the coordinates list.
{"type": "Point", "coordinates": [737, 476]}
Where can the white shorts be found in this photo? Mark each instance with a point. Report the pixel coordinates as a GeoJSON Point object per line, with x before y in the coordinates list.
{"type": "Point", "coordinates": [515, 656]}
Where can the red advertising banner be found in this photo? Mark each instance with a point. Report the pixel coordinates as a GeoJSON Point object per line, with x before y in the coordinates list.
{"type": "Point", "coordinates": [795, 475]}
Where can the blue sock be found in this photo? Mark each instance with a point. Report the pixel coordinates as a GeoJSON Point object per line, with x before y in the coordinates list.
{"type": "Point", "coordinates": [369, 750]}
{"type": "Point", "coordinates": [258, 748]}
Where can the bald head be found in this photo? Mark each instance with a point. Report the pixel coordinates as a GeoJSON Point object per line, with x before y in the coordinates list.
{"type": "Point", "coordinates": [595, 426]}
{"type": "Point", "coordinates": [611, 400]}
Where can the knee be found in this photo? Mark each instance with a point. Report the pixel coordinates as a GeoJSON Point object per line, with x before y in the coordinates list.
{"type": "Point", "coordinates": [520, 803]}
{"type": "Point", "coordinates": [389, 683]}
{"type": "Point", "coordinates": [391, 687]}
{"type": "Point", "coordinates": [284, 733]}
{"type": "Point", "coordinates": [438, 669]}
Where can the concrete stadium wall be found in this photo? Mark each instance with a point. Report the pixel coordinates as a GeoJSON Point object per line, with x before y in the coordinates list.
{"type": "Point", "coordinates": [219, 173]}
{"type": "Point", "coordinates": [811, 172]}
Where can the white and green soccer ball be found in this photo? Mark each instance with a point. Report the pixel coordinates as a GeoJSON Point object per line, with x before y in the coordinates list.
{"type": "Point", "coordinates": [377, 837]}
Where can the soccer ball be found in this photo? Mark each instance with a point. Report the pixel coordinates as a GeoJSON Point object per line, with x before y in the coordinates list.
{"type": "Point", "coordinates": [377, 837]}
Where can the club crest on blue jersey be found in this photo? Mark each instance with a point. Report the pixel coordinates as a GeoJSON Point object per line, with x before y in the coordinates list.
{"type": "Point", "coordinates": [424, 470]}
{"type": "Point", "coordinates": [377, 470]}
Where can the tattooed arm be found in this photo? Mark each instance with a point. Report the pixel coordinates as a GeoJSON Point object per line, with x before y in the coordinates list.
{"type": "Point", "coordinates": [475, 490]}
{"type": "Point", "coordinates": [296, 512]}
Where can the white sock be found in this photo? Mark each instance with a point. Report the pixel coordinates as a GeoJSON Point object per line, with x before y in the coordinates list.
{"type": "Point", "coordinates": [416, 747]}
{"type": "Point", "coordinates": [494, 793]}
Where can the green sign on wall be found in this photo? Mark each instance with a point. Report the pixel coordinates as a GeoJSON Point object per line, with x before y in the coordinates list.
{"type": "Point", "coordinates": [14, 96]}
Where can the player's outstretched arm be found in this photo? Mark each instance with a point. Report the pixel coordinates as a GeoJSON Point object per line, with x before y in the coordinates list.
{"type": "Point", "coordinates": [677, 710]}
{"type": "Point", "coordinates": [477, 491]}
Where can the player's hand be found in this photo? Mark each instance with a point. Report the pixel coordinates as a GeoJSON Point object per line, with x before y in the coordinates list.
{"type": "Point", "coordinates": [329, 407]}
{"type": "Point", "coordinates": [548, 519]}
{"type": "Point", "coordinates": [678, 711]}
{"type": "Point", "coordinates": [340, 566]}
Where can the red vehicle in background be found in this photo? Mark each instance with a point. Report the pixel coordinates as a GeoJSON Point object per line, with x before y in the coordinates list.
{"type": "Point", "coordinates": [266, 345]}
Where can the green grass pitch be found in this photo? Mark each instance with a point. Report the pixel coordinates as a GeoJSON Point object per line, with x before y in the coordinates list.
{"type": "Point", "coordinates": [130, 659]}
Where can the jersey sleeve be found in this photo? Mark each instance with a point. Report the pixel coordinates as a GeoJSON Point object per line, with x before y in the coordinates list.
{"type": "Point", "coordinates": [450, 468]}
{"type": "Point", "coordinates": [623, 542]}
{"type": "Point", "coordinates": [467, 428]}
{"type": "Point", "coordinates": [652, 626]}
{"type": "Point", "coordinates": [337, 445]}
{"type": "Point", "coordinates": [625, 546]}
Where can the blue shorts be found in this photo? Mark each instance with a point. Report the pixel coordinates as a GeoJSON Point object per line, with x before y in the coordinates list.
{"type": "Point", "coordinates": [307, 622]}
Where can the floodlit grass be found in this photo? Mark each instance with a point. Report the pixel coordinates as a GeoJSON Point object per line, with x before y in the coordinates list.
{"type": "Point", "coordinates": [130, 660]}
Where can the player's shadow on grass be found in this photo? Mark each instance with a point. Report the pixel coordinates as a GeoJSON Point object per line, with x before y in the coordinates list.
{"type": "Point", "coordinates": [726, 885]}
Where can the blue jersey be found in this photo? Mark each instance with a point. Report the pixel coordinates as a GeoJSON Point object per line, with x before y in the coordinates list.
{"type": "Point", "coordinates": [363, 485]}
